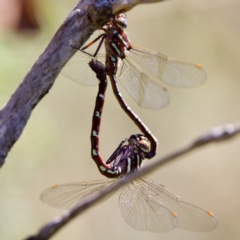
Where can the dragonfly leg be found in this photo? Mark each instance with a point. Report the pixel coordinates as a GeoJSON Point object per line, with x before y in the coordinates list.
{"type": "Point", "coordinates": [102, 37]}
{"type": "Point", "coordinates": [89, 54]}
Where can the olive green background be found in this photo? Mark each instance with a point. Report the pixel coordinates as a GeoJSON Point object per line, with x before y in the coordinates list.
{"type": "Point", "coordinates": [55, 145]}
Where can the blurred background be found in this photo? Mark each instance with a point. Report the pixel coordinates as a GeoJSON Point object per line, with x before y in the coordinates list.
{"type": "Point", "coordinates": [55, 145]}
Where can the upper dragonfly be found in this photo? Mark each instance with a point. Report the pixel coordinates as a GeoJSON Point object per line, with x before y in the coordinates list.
{"type": "Point", "coordinates": [138, 63]}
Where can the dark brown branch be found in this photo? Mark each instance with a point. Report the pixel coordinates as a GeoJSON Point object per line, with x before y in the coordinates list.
{"type": "Point", "coordinates": [215, 135]}
{"type": "Point", "coordinates": [81, 23]}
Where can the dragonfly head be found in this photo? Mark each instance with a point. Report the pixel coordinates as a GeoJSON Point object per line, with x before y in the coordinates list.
{"type": "Point", "coordinates": [141, 141]}
{"type": "Point", "coordinates": [121, 21]}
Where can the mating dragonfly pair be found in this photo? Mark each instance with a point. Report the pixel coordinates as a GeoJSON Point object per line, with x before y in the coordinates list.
{"type": "Point", "coordinates": [144, 204]}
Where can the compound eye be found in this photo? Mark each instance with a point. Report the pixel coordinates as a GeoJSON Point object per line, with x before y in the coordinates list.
{"type": "Point", "coordinates": [144, 143]}
{"type": "Point", "coordinates": [121, 21]}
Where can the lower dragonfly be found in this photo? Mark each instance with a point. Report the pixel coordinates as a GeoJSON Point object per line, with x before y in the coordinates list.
{"type": "Point", "coordinates": [144, 204]}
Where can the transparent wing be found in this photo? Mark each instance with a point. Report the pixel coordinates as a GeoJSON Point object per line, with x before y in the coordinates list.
{"type": "Point", "coordinates": [170, 71]}
{"type": "Point", "coordinates": [66, 195]}
{"type": "Point", "coordinates": [144, 213]}
{"type": "Point", "coordinates": [78, 70]}
{"type": "Point", "coordinates": [189, 216]}
{"type": "Point", "coordinates": [146, 92]}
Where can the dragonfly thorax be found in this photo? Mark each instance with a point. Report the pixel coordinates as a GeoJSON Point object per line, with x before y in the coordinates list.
{"type": "Point", "coordinates": [117, 42]}
{"type": "Point", "coordinates": [129, 156]}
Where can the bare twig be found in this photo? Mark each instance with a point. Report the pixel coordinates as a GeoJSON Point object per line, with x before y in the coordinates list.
{"type": "Point", "coordinates": [86, 17]}
{"type": "Point", "coordinates": [216, 134]}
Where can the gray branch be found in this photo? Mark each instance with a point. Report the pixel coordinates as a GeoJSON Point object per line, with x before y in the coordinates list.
{"type": "Point", "coordinates": [215, 135]}
{"type": "Point", "coordinates": [86, 17]}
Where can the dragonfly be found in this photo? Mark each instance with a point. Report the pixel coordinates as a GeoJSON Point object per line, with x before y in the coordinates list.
{"type": "Point", "coordinates": [139, 70]}
{"type": "Point", "coordinates": [144, 204]}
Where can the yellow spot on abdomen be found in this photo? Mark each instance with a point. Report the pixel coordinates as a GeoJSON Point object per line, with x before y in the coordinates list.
{"type": "Point", "coordinates": [54, 186]}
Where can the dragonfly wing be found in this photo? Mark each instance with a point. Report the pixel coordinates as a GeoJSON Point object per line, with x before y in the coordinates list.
{"type": "Point", "coordinates": [142, 212]}
{"type": "Point", "coordinates": [66, 195]}
{"type": "Point", "coordinates": [189, 216]}
{"type": "Point", "coordinates": [78, 70]}
{"type": "Point", "coordinates": [146, 92]}
{"type": "Point", "coordinates": [173, 72]}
